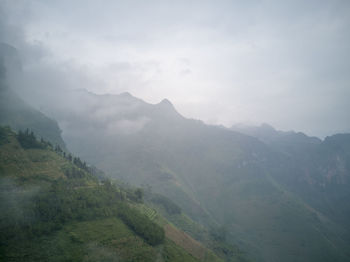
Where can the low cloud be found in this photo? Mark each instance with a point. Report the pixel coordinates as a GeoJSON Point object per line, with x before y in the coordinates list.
{"type": "Point", "coordinates": [16, 203]}
{"type": "Point", "coordinates": [282, 63]}
{"type": "Point", "coordinates": [127, 126]}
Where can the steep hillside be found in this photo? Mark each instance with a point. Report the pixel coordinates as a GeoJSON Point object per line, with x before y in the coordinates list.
{"type": "Point", "coordinates": [53, 208]}
{"type": "Point", "coordinates": [317, 171]}
{"type": "Point", "coordinates": [220, 178]}
{"type": "Point", "coordinates": [16, 113]}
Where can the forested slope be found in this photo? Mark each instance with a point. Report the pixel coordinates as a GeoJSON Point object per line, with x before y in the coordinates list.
{"type": "Point", "coordinates": [54, 208]}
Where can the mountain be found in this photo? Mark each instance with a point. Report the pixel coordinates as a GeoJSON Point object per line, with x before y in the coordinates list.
{"type": "Point", "coordinates": [287, 142]}
{"type": "Point", "coordinates": [31, 164]}
{"type": "Point", "coordinates": [272, 193]}
{"type": "Point", "coordinates": [254, 188]}
{"type": "Point", "coordinates": [320, 170]}
{"type": "Point", "coordinates": [10, 63]}
{"type": "Point", "coordinates": [54, 209]}
{"type": "Point", "coordinates": [17, 113]}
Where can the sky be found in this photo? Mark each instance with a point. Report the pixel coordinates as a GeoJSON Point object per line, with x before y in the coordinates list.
{"type": "Point", "coordinates": [286, 63]}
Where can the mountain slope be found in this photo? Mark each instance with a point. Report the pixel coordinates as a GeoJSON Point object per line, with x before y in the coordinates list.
{"type": "Point", "coordinates": [15, 112]}
{"type": "Point", "coordinates": [53, 210]}
{"type": "Point", "coordinates": [317, 171]}
{"type": "Point", "coordinates": [219, 177]}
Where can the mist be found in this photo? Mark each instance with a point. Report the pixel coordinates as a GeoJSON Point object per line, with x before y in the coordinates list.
{"type": "Point", "coordinates": [16, 202]}
{"type": "Point", "coordinates": [174, 130]}
{"type": "Point", "coordinates": [286, 64]}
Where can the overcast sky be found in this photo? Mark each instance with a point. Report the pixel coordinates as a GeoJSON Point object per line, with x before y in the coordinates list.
{"type": "Point", "coordinates": [286, 63]}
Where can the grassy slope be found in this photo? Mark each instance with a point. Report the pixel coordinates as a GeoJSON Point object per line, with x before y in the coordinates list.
{"type": "Point", "coordinates": [176, 234]}
{"type": "Point", "coordinates": [194, 237]}
{"type": "Point", "coordinates": [264, 217]}
{"type": "Point", "coordinates": [102, 239]}
{"type": "Point", "coordinates": [192, 246]}
{"type": "Point", "coordinates": [98, 240]}
{"type": "Point", "coordinates": [30, 164]}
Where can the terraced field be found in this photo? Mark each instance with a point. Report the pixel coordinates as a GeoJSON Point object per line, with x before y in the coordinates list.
{"type": "Point", "coordinates": [149, 212]}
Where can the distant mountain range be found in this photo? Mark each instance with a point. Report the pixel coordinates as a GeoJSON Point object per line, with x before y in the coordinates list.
{"type": "Point", "coordinates": [318, 171]}
{"type": "Point", "coordinates": [279, 196]}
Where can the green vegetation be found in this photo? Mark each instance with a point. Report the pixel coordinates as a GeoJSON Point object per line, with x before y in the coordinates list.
{"type": "Point", "coordinates": [170, 207]}
{"type": "Point", "coordinates": [53, 209]}
{"type": "Point", "coordinates": [214, 240]}
{"type": "Point", "coordinates": [142, 225]}
{"type": "Point", "coordinates": [3, 136]}
{"type": "Point", "coordinates": [106, 239]}
{"type": "Point", "coordinates": [173, 253]}
{"type": "Point", "coordinates": [147, 211]}
{"type": "Point", "coordinates": [28, 140]}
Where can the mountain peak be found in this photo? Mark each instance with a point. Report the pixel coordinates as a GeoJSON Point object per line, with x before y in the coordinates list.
{"type": "Point", "coordinates": [165, 106]}
{"type": "Point", "coordinates": [267, 127]}
{"type": "Point", "coordinates": [125, 94]}
{"type": "Point", "coordinates": [166, 102]}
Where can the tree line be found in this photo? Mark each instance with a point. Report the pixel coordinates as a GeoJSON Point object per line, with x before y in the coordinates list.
{"type": "Point", "coordinates": [28, 140]}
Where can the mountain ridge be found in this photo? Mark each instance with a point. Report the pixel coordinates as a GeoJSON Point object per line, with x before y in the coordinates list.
{"type": "Point", "coordinates": [219, 177]}
{"type": "Point", "coordinates": [274, 193]}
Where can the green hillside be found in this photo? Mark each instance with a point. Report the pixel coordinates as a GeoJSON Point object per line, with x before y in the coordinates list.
{"type": "Point", "coordinates": [53, 209]}
{"type": "Point", "coordinates": [213, 238]}
{"type": "Point", "coordinates": [258, 193]}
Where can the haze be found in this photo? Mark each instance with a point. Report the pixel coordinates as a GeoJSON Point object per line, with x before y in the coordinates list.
{"type": "Point", "coordinates": [281, 62]}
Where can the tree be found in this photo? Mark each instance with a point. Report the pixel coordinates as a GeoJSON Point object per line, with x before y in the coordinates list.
{"type": "Point", "coordinates": [139, 194]}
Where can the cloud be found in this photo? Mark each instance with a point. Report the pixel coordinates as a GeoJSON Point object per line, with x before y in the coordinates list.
{"type": "Point", "coordinates": [127, 126]}
{"type": "Point", "coordinates": [16, 203]}
{"type": "Point", "coordinates": [285, 63]}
